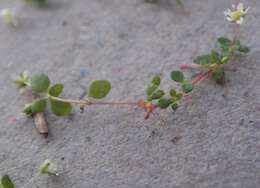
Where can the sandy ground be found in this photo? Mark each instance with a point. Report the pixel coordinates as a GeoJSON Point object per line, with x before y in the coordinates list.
{"type": "Point", "coordinates": [213, 140]}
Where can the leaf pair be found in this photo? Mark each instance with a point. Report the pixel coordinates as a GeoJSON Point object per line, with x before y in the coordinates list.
{"type": "Point", "coordinates": [174, 97]}
{"type": "Point", "coordinates": [178, 76]}
{"type": "Point", "coordinates": [228, 48]}
{"type": "Point", "coordinates": [152, 91]}
{"type": "Point", "coordinates": [98, 90]}
{"type": "Point", "coordinates": [41, 83]}
{"type": "Point", "coordinates": [155, 94]}
{"type": "Point", "coordinates": [173, 100]}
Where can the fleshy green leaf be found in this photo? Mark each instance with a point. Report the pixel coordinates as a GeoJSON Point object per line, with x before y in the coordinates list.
{"type": "Point", "coordinates": [56, 90]}
{"type": "Point", "coordinates": [164, 103]}
{"type": "Point", "coordinates": [157, 94]}
{"type": "Point", "coordinates": [215, 57]}
{"type": "Point", "coordinates": [187, 87]}
{"type": "Point", "coordinates": [60, 108]}
{"type": "Point", "coordinates": [7, 182]}
{"type": "Point", "coordinates": [99, 89]}
{"type": "Point", "coordinates": [244, 49]}
{"type": "Point", "coordinates": [218, 74]}
{"type": "Point", "coordinates": [39, 82]}
{"type": "Point", "coordinates": [225, 43]}
{"type": "Point", "coordinates": [150, 89]}
{"type": "Point", "coordinates": [156, 80]}
{"type": "Point", "coordinates": [175, 95]}
{"type": "Point", "coordinates": [38, 105]}
{"type": "Point", "coordinates": [203, 60]}
{"type": "Point", "coordinates": [174, 106]}
{"type": "Point", "coordinates": [177, 76]}
{"type": "Point", "coordinates": [173, 92]}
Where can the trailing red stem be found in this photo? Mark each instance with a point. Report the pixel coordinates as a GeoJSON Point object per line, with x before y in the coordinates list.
{"type": "Point", "coordinates": [190, 66]}
{"type": "Point", "coordinates": [201, 77]}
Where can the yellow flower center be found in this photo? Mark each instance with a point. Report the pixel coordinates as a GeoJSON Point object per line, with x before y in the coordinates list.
{"type": "Point", "coordinates": [236, 15]}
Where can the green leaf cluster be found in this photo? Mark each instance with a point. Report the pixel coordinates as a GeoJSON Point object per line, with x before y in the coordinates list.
{"type": "Point", "coordinates": [160, 97]}
{"type": "Point", "coordinates": [41, 84]}
{"type": "Point", "coordinates": [229, 47]}
{"type": "Point", "coordinates": [154, 93]}
{"type": "Point", "coordinates": [226, 50]}
{"type": "Point", "coordinates": [6, 182]}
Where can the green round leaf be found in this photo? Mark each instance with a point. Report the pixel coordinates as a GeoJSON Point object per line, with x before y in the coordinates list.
{"type": "Point", "coordinates": [177, 76]}
{"type": "Point", "coordinates": [187, 87]}
{"type": "Point", "coordinates": [56, 90]}
{"type": "Point", "coordinates": [215, 57]}
{"type": "Point", "coordinates": [150, 89]}
{"type": "Point", "coordinates": [218, 74]}
{"type": "Point", "coordinates": [38, 105]}
{"type": "Point", "coordinates": [157, 94]}
{"type": "Point", "coordinates": [244, 49]}
{"type": "Point", "coordinates": [40, 82]}
{"type": "Point", "coordinates": [60, 108]}
{"type": "Point", "coordinates": [174, 106]}
{"type": "Point", "coordinates": [156, 80]}
{"type": "Point", "coordinates": [99, 89]}
{"type": "Point", "coordinates": [224, 42]}
{"type": "Point", "coordinates": [7, 182]}
{"type": "Point", "coordinates": [164, 103]}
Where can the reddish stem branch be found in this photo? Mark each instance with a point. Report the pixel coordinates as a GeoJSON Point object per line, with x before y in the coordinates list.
{"type": "Point", "coordinates": [236, 34]}
{"type": "Point", "coordinates": [201, 77]}
{"type": "Point", "coordinates": [190, 66]}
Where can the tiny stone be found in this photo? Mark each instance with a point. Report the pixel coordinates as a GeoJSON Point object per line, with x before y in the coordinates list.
{"type": "Point", "coordinates": [64, 23]}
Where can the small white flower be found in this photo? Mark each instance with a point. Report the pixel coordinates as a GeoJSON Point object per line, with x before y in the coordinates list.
{"type": "Point", "coordinates": [49, 168]}
{"type": "Point", "coordinates": [8, 17]}
{"type": "Point", "coordinates": [237, 14]}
